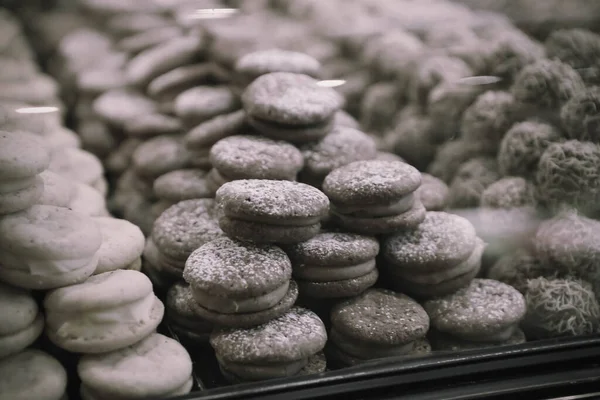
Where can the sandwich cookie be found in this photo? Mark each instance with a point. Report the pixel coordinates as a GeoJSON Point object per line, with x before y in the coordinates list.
{"type": "Point", "coordinates": [485, 311]}
{"type": "Point", "coordinates": [201, 103]}
{"type": "Point", "coordinates": [279, 348]}
{"type": "Point", "coordinates": [79, 166]}
{"type": "Point", "coordinates": [23, 156]}
{"type": "Point", "coordinates": [185, 323]}
{"type": "Point", "coordinates": [22, 321]}
{"type": "Point", "coordinates": [237, 284]}
{"type": "Point", "coordinates": [182, 184]}
{"type": "Point", "coordinates": [177, 232]}
{"type": "Point", "coordinates": [433, 193]}
{"type": "Point", "coordinates": [32, 374]}
{"type": "Point", "coordinates": [253, 157]}
{"type": "Point", "coordinates": [440, 256]}
{"type": "Point", "coordinates": [200, 139]}
{"type": "Point", "coordinates": [122, 245]}
{"type": "Point", "coordinates": [268, 211]}
{"type": "Point", "coordinates": [151, 125]}
{"type": "Point", "coordinates": [138, 42]}
{"type": "Point", "coordinates": [377, 324]}
{"type": "Point", "coordinates": [107, 312]}
{"type": "Point", "coordinates": [258, 63]}
{"type": "Point", "coordinates": [334, 265]}
{"type": "Point", "coordinates": [46, 247]}
{"type": "Point", "coordinates": [158, 156]}
{"type": "Point", "coordinates": [118, 106]}
{"type": "Point", "coordinates": [340, 147]}
{"type": "Point", "coordinates": [155, 367]}
{"type": "Point", "coordinates": [375, 197]}
{"type": "Point", "coordinates": [88, 201]}
{"type": "Point", "coordinates": [291, 107]}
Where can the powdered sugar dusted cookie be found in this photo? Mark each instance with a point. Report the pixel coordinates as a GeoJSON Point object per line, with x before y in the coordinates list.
{"type": "Point", "coordinates": [182, 184]}
{"type": "Point", "coordinates": [201, 103]}
{"type": "Point", "coordinates": [187, 325]}
{"type": "Point", "coordinates": [433, 193]}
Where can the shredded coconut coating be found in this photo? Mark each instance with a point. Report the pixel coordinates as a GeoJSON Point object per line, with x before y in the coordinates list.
{"type": "Point", "coordinates": [451, 155]}
{"type": "Point", "coordinates": [433, 193]}
{"type": "Point", "coordinates": [561, 307]}
{"type": "Point", "coordinates": [510, 52]}
{"type": "Point", "coordinates": [255, 157]}
{"type": "Point", "coordinates": [547, 84]}
{"type": "Point", "coordinates": [182, 184]}
{"type": "Point", "coordinates": [471, 180]}
{"type": "Point", "coordinates": [340, 147]}
{"type": "Point", "coordinates": [185, 226]}
{"type": "Point", "coordinates": [509, 192]}
{"type": "Point", "coordinates": [488, 118]}
{"type": "Point", "coordinates": [381, 317]}
{"type": "Point", "coordinates": [276, 60]}
{"type": "Point", "coordinates": [211, 131]}
{"type": "Point", "coordinates": [272, 199]}
{"type": "Point", "coordinates": [296, 335]}
{"type": "Point", "coordinates": [225, 267]}
{"type": "Point", "coordinates": [334, 249]}
{"type": "Point", "coordinates": [522, 147]}
{"type": "Point", "coordinates": [568, 173]}
{"type": "Point", "coordinates": [517, 268]}
{"type": "Point", "coordinates": [483, 308]}
{"type": "Point", "coordinates": [580, 116]}
{"type": "Point", "coordinates": [293, 99]}
{"type": "Point", "coordinates": [441, 241]}
{"type": "Point", "coordinates": [371, 182]}
{"type": "Point", "coordinates": [580, 49]}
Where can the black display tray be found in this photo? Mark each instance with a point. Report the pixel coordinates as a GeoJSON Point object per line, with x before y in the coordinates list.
{"type": "Point", "coordinates": [547, 365]}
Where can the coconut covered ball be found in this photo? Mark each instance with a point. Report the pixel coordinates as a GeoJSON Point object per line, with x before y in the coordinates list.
{"type": "Point", "coordinates": [378, 107]}
{"type": "Point", "coordinates": [471, 180]}
{"type": "Point", "coordinates": [580, 116]}
{"type": "Point", "coordinates": [569, 174]}
{"type": "Point", "coordinates": [522, 147]}
{"type": "Point", "coordinates": [509, 192]}
{"type": "Point", "coordinates": [451, 155]}
{"type": "Point", "coordinates": [579, 48]}
{"type": "Point", "coordinates": [560, 307]}
{"type": "Point", "coordinates": [545, 86]}
{"type": "Point", "coordinates": [518, 267]}
{"type": "Point", "coordinates": [488, 119]}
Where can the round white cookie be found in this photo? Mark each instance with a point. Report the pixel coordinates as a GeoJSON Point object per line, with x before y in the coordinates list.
{"type": "Point", "coordinates": [107, 312]}
{"type": "Point", "coordinates": [156, 367]}
{"type": "Point", "coordinates": [122, 245]}
{"type": "Point", "coordinates": [58, 191]}
{"type": "Point", "coordinates": [22, 155]}
{"type": "Point", "coordinates": [77, 165]}
{"type": "Point", "coordinates": [88, 201]}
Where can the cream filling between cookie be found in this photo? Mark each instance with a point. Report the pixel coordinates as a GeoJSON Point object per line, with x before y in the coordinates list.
{"type": "Point", "coordinates": [368, 351]}
{"type": "Point", "coordinates": [38, 267]}
{"type": "Point", "coordinates": [331, 274]}
{"type": "Point", "coordinates": [499, 336]}
{"type": "Point", "coordinates": [226, 305]}
{"type": "Point", "coordinates": [90, 322]}
{"type": "Point", "coordinates": [14, 185]}
{"type": "Point", "coordinates": [376, 211]}
{"type": "Point", "coordinates": [263, 371]}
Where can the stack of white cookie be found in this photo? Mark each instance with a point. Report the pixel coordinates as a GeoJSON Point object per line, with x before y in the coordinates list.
{"type": "Point", "coordinates": [58, 240]}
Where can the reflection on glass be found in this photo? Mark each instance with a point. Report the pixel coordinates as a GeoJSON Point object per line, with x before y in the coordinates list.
{"type": "Point", "coordinates": [331, 83]}
{"type": "Point", "coordinates": [480, 80]}
{"type": "Point", "coordinates": [213, 13]}
{"type": "Point", "coordinates": [36, 110]}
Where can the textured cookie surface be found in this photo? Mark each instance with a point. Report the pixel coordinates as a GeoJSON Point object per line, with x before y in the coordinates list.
{"type": "Point", "coordinates": [296, 335]}
{"type": "Point", "coordinates": [58, 191]}
{"type": "Point", "coordinates": [276, 60]}
{"type": "Point", "coordinates": [433, 193]}
{"type": "Point", "coordinates": [371, 182]}
{"type": "Point", "coordinates": [227, 267]}
{"type": "Point", "coordinates": [211, 131]}
{"type": "Point", "coordinates": [182, 184]}
{"type": "Point", "coordinates": [77, 164]}
{"type": "Point", "coordinates": [22, 155]}
{"type": "Point", "coordinates": [288, 98]}
{"type": "Point", "coordinates": [19, 309]}
{"type": "Point", "coordinates": [122, 243]}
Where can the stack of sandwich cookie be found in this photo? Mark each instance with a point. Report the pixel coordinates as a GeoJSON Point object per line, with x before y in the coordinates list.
{"type": "Point", "coordinates": [122, 245]}
{"type": "Point", "coordinates": [253, 157]}
{"type": "Point", "coordinates": [379, 323]}
{"type": "Point", "coordinates": [189, 327]}
{"type": "Point", "coordinates": [22, 321]}
{"type": "Point", "coordinates": [375, 197]}
{"type": "Point", "coordinates": [442, 255]}
{"type": "Point", "coordinates": [334, 265]}
{"type": "Point", "coordinates": [107, 312]}
{"type": "Point", "coordinates": [237, 284]}
{"type": "Point", "coordinates": [46, 247]}
{"type": "Point", "coordinates": [485, 312]}
{"type": "Point", "coordinates": [268, 211]}
{"type": "Point", "coordinates": [291, 107]}
{"type": "Point", "coordinates": [155, 367]}
{"type": "Point", "coordinates": [179, 230]}
{"type": "Point", "coordinates": [23, 157]}
{"type": "Point", "coordinates": [181, 184]}
{"type": "Point", "coordinates": [282, 347]}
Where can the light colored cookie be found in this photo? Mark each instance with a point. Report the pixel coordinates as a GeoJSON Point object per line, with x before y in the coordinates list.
{"type": "Point", "coordinates": [22, 198]}
{"type": "Point", "coordinates": [88, 201]}
{"type": "Point", "coordinates": [60, 138]}
{"type": "Point", "coordinates": [58, 191]}
{"type": "Point", "coordinates": [122, 244]}
{"type": "Point", "coordinates": [22, 155]}
{"type": "Point", "coordinates": [77, 165]}
{"type": "Point", "coordinates": [32, 374]}
{"type": "Point", "coordinates": [107, 312]}
{"type": "Point", "coordinates": [156, 367]}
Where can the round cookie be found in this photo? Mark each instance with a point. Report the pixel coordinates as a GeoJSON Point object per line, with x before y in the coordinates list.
{"type": "Point", "coordinates": [118, 106]}
{"type": "Point", "coordinates": [158, 156]}
{"type": "Point", "coordinates": [433, 193]}
{"type": "Point", "coordinates": [486, 310]}
{"type": "Point", "coordinates": [287, 343]}
{"type": "Point", "coordinates": [150, 125]}
{"type": "Point", "coordinates": [88, 201]}
{"type": "Point", "coordinates": [182, 184]}
{"type": "Point", "coordinates": [77, 165]}
{"type": "Point", "coordinates": [284, 211]}
{"type": "Point", "coordinates": [22, 321]}
{"type": "Point", "coordinates": [205, 135]}
{"type": "Point", "coordinates": [32, 374]}
{"type": "Point", "coordinates": [406, 221]}
{"type": "Point", "coordinates": [187, 325]}
{"type": "Point", "coordinates": [155, 367]}
{"type": "Point", "coordinates": [23, 196]}
{"type": "Point", "coordinates": [339, 288]}
{"type": "Point", "coordinates": [255, 157]}
{"type": "Point", "coordinates": [58, 190]}
{"type": "Point", "coordinates": [122, 244]}
{"type": "Point", "coordinates": [340, 147]}
{"type": "Point", "coordinates": [201, 103]}
{"type": "Point", "coordinates": [22, 155]}
{"type": "Point", "coordinates": [107, 312]}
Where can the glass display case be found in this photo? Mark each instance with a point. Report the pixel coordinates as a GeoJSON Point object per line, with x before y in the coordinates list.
{"type": "Point", "coordinates": [299, 199]}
